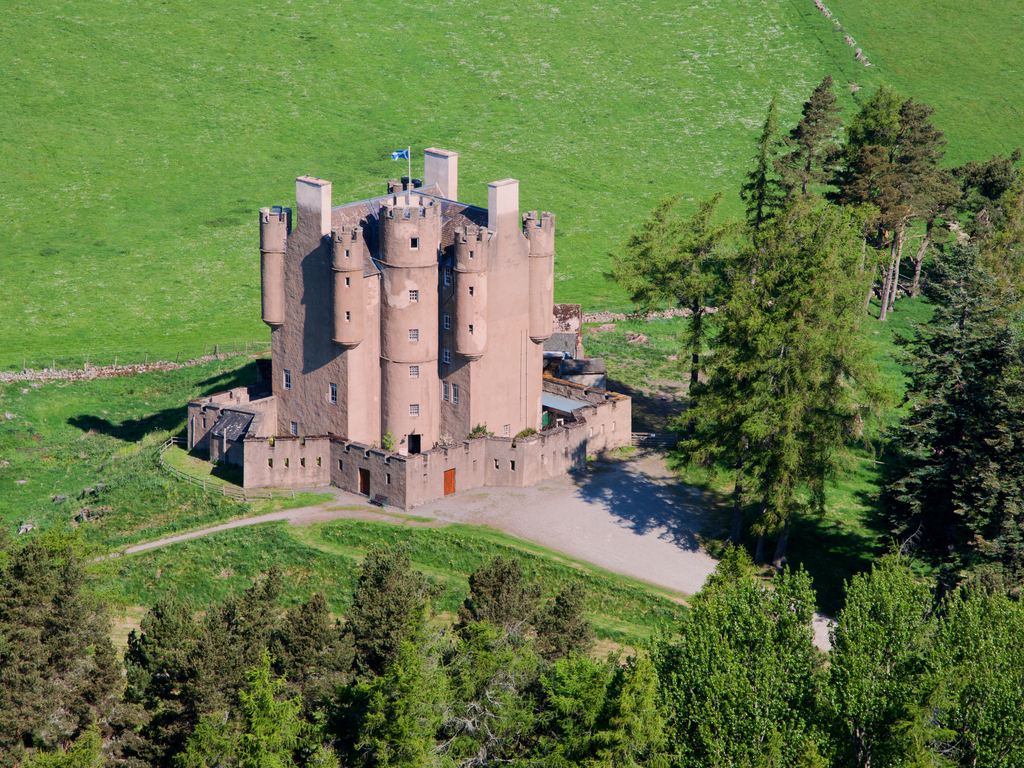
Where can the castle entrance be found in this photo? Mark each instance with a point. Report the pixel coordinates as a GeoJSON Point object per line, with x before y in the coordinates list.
{"type": "Point", "coordinates": [449, 482]}
{"type": "Point", "coordinates": [414, 444]}
{"type": "Point", "coordinates": [364, 482]}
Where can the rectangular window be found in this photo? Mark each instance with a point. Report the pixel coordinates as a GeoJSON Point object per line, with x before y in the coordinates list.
{"type": "Point", "coordinates": [505, 430]}
{"type": "Point", "coordinates": [455, 393]}
{"type": "Point", "coordinates": [348, 254]}
{"type": "Point", "coordinates": [334, 393]}
{"type": "Point", "coordinates": [414, 295]}
{"type": "Point", "coordinates": [447, 275]}
{"type": "Point", "coordinates": [444, 391]}
{"type": "Point", "coordinates": [348, 282]}
{"type": "Point", "coordinates": [348, 317]}
{"type": "Point", "coordinates": [471, 254]}
{"type": "Point", "coordinates": [414, 334]}
{"type": "Point", "coordinates": [270, 463]}
{"type": "Point", "coordinates": [287, 379]}
{"type": "Point", "coordinates": [414, 409]}
{"type": "Point", "coordinates": [204, 422]}
{"type": "Point", "coordinates": [446, 356]}
{"type": "Point", "coordinates": [414, 243]}
{"type": "Point", "coordinates": [471, 290]}
{"type": "Point", "coordinates": [286, 463]}
{"type": "Point", "coordinates": [447, 321]}
{"type": "Point", "coordinates": [414, 371]}
{"type": "Point", "coordinates": [318, 461]}
{"type": "Point", "coordinates": [513, 465]}
{"type": "Point", "coordinates": [302, 461]}
{"type": "Point", "coordinates": [496, 464]}
{"type": "Point", "coordinates": [471, 330]}
{"type": "Point", "coordinates": [613, 426]}
{"type": "Point", "coordinates": [341, 465]}
{"type": "Point", "coordinates": [388, 476]}
{"type": "Point", "coordinates": [295, 428]}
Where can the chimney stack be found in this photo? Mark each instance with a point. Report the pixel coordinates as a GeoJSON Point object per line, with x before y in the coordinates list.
{"type": "Point", "coordinates": [441, 167]}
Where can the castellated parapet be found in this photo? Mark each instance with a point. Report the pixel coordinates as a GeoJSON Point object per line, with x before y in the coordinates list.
{"type": "Point", "coordinates": [540, 232]}
{"type": "Point", "coordinates": [275, 226]}
{"type": "Point", "coordinates": [472, 252]}
{"type": "Point", "coordinates": [349, 296]}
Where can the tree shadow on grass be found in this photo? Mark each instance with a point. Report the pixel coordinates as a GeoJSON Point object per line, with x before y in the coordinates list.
{"type": "Point", "coordinates": [651, 413]}
{"type": "Point", "coordinates": [133, 430]}
{"type": "Point", "coordinates": [644, 503]}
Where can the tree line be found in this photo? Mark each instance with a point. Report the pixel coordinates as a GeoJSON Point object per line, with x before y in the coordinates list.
{"type": "Point", "coordinates": [782, 377]}
{"type": "Point", "coordinates": [912, 678]}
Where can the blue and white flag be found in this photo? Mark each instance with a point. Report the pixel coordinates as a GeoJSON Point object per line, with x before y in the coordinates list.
{"type": "Point", "coordinates": [402, 154]}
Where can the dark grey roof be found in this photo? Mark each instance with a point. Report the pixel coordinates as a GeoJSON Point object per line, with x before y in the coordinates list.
{"type": "Point", "coordinates": [232, 424]}
{"type": "Point", "coordinates": [590, 365]}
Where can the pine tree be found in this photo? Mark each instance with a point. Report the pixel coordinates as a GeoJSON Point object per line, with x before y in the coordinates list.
{"type": "Point", "coordinates": [561, 627]}
{"type": "Point", "coordinates": [575, 701]}
{"type": "Point", "coordinates": [312, 652]}
{"type": "Point", "coordinates": [499, 593]}
{"type": "Point", "coordinates": [812, 143]}
{"type": "Point", "coordinates": [958, 489]}
{"type": "Point", "coordinates": [634, 732]}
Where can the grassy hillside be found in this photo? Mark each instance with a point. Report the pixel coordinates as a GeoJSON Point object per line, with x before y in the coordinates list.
{"type": "Point", "coordinates": [964, 59]}
{"type": "Point", "coordinates": [137, 140]}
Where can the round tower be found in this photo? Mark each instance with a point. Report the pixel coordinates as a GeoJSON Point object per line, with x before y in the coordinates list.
{"type": "Point", "coordinates": [275, 224]}
{"type": "Point", "coordinates": [472, 245]}
{"type": "Point", "coordinates": [349, 302]}
{"type": "Point", "coordinates": [409, 236]}
{"type": "Point", "coordinates": [540, 231]}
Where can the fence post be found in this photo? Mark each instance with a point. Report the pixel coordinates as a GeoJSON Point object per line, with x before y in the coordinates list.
{"type": "Point", "coordinates": [177, 356]}
{"type": "Point", "coordinates": [216, 349]}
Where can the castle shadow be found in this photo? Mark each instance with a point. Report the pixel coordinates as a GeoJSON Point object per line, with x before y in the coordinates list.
{"type": "Point", "coordinates": [133, 430]}
{"type": "Point", "coordinates": [643, 504]}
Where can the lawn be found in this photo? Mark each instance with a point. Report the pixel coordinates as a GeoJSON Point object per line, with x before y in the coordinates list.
{"type": "Point", "coordinates": [139, 139]}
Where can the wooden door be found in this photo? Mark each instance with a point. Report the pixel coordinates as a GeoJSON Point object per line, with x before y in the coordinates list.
{"type": "Point", "coordinates": [449, 481]}
{"type": "Point", "coordinates": [364, 482]}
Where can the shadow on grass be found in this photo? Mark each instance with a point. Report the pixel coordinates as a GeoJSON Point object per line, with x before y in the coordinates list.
{"type": "Point", "coordinates": [133, 430]}
{"type": "Point", "coordinates": [229, 473]}
{"type": "Point", "coordinates": [651, 413]}
{"type": "Point", "coordinates": [644, 504]}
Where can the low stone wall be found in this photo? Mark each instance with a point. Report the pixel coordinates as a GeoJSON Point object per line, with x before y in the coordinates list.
{"type": "Point", "coordinates": [203, 413]}
{"type": "Point", "coordinates": [608, 415]}
{"type": "Point", "coordinates": [387, 471]}
{"type": "Point", "coordinates": [287, 462]}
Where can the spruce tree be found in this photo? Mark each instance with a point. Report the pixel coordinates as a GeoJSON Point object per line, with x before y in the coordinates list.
{"type": "Point", "coordinates": [762, 191]}
{"type": "Point", "coordinates": [958, 487]}
{"type": "Point", "coordinates": [561, 627]}
{"type": "Point", "coordinates": [812, 143]}
{"type": "Point", "coordinates": [500, 593]}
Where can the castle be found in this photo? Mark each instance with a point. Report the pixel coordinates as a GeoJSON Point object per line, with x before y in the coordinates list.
{"type": "Point", "coordinates": [398, 325]}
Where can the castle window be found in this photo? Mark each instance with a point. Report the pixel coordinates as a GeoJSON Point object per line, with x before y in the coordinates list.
{"type": "Point", "coordinates": [414, 243]}
{"type": "Point", "coordinates": [613, 426]}
{"type": "Point", "coordinates": [295, 430]}
{"type": "Point", "coordinates": [286, 463]}
{"type": "Point", "coordinates": [348, 317]}
{"type": "Point", "coordinates": [471, 330]}
{"type": "Point", "coordinates": [388, 476]}
{"type": "Point", "coordinates": [414, 295]}
{"type": "Point", "coordinates": [414, 371]}
{"type": "Point", "coordinates": [204, 422]}
{"type": "Point", "coordinates": [348, 254]}
{"type": "Point", "coordinates": [334, 393]}
{"type": "Point", "coordinates": [287, 379]}
{"type": "Point", "coordinates": [302, 461]}
{"type": "Point", "coordinates": [447, 321]}
{"type": "Point", "coordinates": [471, 254]}
{"type": "Point", "coordinates": [318, 461]}
{"type": "Point", "coordinates": [446, 356]}
{"type": "Point", "coordinates": [455, 393]}
{"type": "Point", "coordinates": [496, 464]}
{"type": "Point", "coordinates": [414, 409]}
{"type": "Point", "coordinates": [348, 282]}
{"type": "Point", "coordinates": [471, 290]}
{"type": "Point", "coordinates": [341, 465]}
{"type": "Point", "coordinates": [414, 334]}
{"type": "Point", "coordinates": [447, 275]}
{"type": "Point", "coordinates": [505, 430]}
{"type": "Point", "coordinates": [444, 391]}
{"type": "Point", "coordinates": [270, 463]}
{"type": "Point", "coordinates": [513, 465]}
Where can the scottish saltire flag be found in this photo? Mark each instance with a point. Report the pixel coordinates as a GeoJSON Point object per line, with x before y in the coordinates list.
{"type": "Point", "coordinates": [402, 154]}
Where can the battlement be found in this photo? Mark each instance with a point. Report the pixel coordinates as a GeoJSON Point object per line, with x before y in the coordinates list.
{"type": "Point", "coordinates": [409, 207]}
{"type": "Point", "coordinates": [540, 231]}
{"type": "Point", "coordinates": [472, 234]}
{"type": "Point", "coordinates": [347, 248]}
{"type": "Point", "coordinates": [275, 226]}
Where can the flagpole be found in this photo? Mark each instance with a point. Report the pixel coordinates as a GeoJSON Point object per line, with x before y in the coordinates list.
{"type": "Point", "coordinates": [408, 156]}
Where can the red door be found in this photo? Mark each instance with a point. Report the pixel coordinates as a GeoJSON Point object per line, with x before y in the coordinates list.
{"type": "Point", "coordinates": [449, 481]}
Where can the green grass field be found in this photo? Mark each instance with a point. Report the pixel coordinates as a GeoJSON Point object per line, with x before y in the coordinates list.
{"type": "Point", "coordinates": [138, 140]}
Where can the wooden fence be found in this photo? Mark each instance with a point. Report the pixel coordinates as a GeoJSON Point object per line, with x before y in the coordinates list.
{"type": "Point", "coordinates": [234, 492]}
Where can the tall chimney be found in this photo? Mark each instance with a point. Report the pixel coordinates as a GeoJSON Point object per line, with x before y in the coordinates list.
{"type": "Point", "coordinates": [503, 204]}
{"type": "Point", "coordinates": [441, 167]}
{"type": "Point", "coordinates": [314, 203]}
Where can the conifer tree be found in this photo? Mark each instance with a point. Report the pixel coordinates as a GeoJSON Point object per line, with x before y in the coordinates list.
{"type": "Point", "coordinates": [762, 191]}
{"type": "Point", "coordinates": [812, 143]}
{"type": "Point", "coordinates": [562, 628]}
{"type": "Point", "coordinates": [958, 488]}
{"type": "Point", "coordinates": [500, 593]}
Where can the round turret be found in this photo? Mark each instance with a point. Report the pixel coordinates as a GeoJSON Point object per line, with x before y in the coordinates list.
{"type": "Point", "coordinates": [472, 245]}
{"type": "Point", "coordinates": [349, 301]}
{"type": "Point", "coordinates": [540, 232]}
{"type": "Point", "coordinates": [409, 230]}
{"type": "Point", "coordinates": [275, 224]}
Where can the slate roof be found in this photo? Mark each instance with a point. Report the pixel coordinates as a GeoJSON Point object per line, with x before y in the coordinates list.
{"type": "Point", "coordinates": [232, 424]}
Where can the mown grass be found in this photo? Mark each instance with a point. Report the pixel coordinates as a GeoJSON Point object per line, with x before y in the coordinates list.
{"type": "Point", "coordinates": [324, 558]}
{"type": "Point", "coordinates": [139, 140]}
